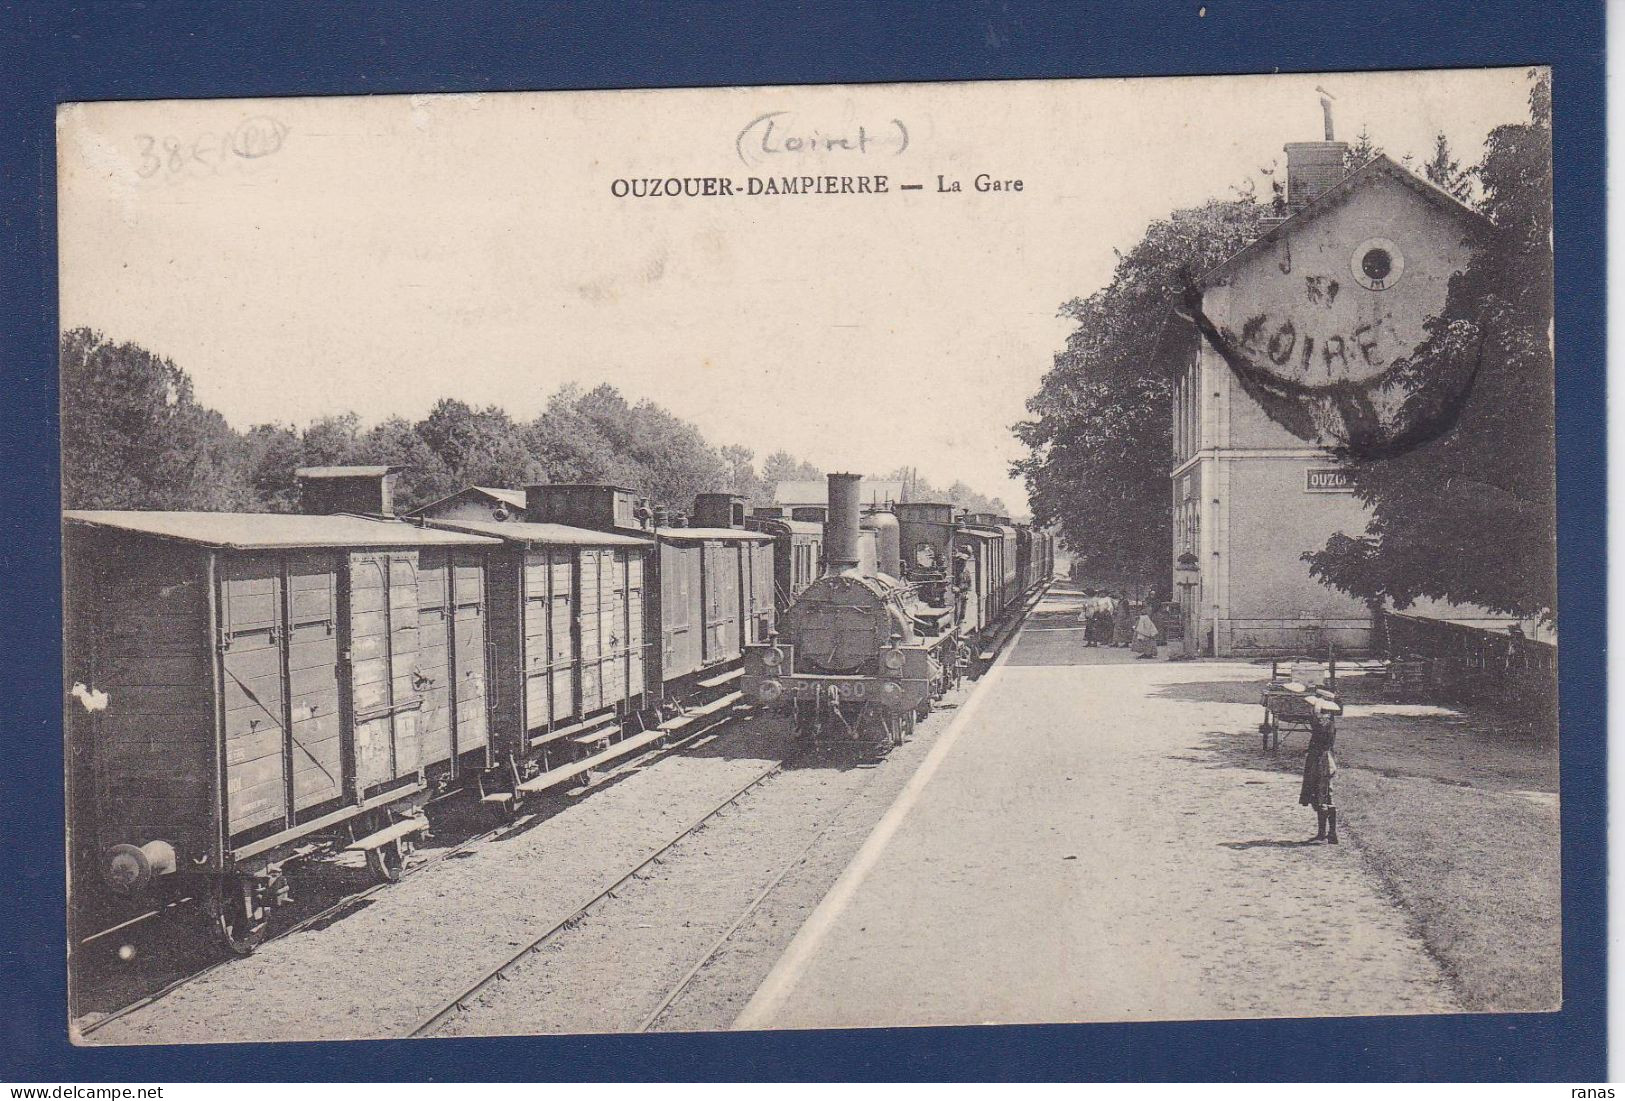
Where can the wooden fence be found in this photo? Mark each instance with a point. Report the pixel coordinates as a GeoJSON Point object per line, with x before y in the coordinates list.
{"type": "Point", "coordinates": [1469, 662]}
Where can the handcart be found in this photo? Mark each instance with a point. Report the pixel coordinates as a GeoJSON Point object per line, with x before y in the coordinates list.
{"type": "Point", "coordinates": [1290, 703]}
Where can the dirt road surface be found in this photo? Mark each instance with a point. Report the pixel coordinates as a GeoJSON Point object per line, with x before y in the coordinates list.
{"type": "Point", "coordinates": [1094, 843]}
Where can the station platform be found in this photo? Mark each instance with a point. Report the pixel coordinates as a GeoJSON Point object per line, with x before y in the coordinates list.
{"type": "Point", "coordinates": [1093, 838]}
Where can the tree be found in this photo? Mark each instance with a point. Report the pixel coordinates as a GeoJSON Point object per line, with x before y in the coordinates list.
{"type": "Point", "coordinates": [1363, 150]}
{"type": "Point", "coordinates": [473, 447]}
{"type": "Point", "coordinates": [781, 466]}
{"type": "Point", "coordinates": [424, 476]}
{"type": "Point", "coordinates": [271, 453]}
{"type": "Point", "coordinates": [1470, 516]}
{"type": "Point", "coordinates": [1101, 435]}
{"type": "Point", "coordinates": [678, 462]}
{"type": "Point", "coordinates": [598, 436]}
{"type": "Point", "coordinates": [133, 436]}
{"type": "Point", "coordinates": [742, 477]}
{"type": "Point", "coordinates": [571, 447]}
{"type": "Point", "coordinates": [1444, 172]}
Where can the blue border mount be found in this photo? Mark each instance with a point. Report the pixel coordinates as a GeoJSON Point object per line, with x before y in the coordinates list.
{"type": "Point", "coordinates": [58, 53]}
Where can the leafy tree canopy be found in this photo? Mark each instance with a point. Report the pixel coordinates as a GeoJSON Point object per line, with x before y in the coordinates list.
{"type": "Point", "coordinates": [134, 437]}
{"type": "Point", "coordinates": [1100, 435]}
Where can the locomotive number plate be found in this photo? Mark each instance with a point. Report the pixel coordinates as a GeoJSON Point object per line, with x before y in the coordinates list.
{"type": "Point", "coordinates": [847, 689]}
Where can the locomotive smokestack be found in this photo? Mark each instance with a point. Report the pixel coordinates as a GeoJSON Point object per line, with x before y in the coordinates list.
{"type": "Point", "coordinates": [841, 527]}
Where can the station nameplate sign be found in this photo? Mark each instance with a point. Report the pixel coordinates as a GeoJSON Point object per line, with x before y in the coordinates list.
{"type": "Point", "coordinates": [1327, 480]}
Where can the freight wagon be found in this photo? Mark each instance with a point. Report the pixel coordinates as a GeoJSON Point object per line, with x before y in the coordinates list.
{"type": "Point", "coordinates": [247, 686]}
{"type": "Point", "coordinates": [798, 552]}
{"type": "Point", "coordinates": [569, 617]}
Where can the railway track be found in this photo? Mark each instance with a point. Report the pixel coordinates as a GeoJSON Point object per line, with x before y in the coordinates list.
{"type": "Point", "coordinates": [677, 989]}
{"type": "Point", "coordinates": [460, 1002]}
{"type": "Point", "coordinates": [703, 732]}
{"type": "Point", "coordinates": [467, 998]}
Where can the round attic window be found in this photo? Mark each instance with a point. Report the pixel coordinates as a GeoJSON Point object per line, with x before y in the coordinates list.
{"type": "Point", "coordinates": [1377, 263]}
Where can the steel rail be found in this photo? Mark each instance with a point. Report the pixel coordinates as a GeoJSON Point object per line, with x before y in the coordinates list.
{"type": "Point", "coordinates": [755, 904]}
{"type": "Point", "coordinates": [682, 984]}
{"type": "Point", "coordinates": [460, 1001]}
{"type": "Point", "coordinates": [655, 753]}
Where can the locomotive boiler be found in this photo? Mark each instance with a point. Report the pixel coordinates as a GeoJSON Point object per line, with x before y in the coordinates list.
{"type": "Point", "coordinates": [854, 660]}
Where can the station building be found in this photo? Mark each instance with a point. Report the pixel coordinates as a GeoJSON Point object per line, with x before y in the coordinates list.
{"type": "Point", "coordinates": [1338, 289]}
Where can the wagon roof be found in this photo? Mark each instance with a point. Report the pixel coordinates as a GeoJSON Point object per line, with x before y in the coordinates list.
{"type": "Point", "coordinates": [270, 530]}
{"type": "Point", "coordinates": [513, 498]}
{"type": "Point", "coordinates": [793, 527]}
{"type": "Point", "coordinates": [700, 535]}
{"type": "Point", "coordinates": [346, 471]}
{"type": "Point", "coordinates": [518, 531]}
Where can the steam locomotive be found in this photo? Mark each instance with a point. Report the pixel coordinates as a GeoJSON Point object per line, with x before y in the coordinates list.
{"type": "Point", "coordinates": [911, 599]}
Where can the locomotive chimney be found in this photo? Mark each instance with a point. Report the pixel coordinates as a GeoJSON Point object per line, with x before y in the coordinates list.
{"type": "Point", "coordinates": [326, 490]}
{"type": "Point", "coordinates": [841, 527]}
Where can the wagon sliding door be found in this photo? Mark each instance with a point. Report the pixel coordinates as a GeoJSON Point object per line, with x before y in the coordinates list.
{"type": "Point", "coordinates": [762, 607]}
{"type": "Point", "coordinates": [383, 674]}
{"type": "Point", "coordinates": [451, 655]}
{"type": "Point", "coordinates": [720, 600]}
{"type": "Point", "coordinates": [590, 616]}
{"type": "Point", "coordinates": [468, 651]}
{"type": "Point", "coordinates": [682, 612]}
{"type": "Point", "coordinates": [253, 684]}
{"type": "Point", "coordinates": [316, 742]}
{"type": "Point", "coordinates": [607, 636]}
{"type": "Point", "coordinates": [636, 610]}
{"type": "Point", "coordinates": [550, 651]}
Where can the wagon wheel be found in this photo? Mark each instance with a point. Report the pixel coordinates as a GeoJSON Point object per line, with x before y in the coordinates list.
{"type": "Point", "coordinates": [237, 921]}
{"type": "Point", "coordinates": [388, 861]}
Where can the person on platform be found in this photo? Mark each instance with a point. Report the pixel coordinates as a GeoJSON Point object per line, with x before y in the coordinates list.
{"type": "Point", "coordinates": [1086, 616]}
{"type": "Point", "coordinates": [1122, 620]}
{"type": "Point", "coordinates": [1319, 766]}
{"type": "Point", "coordinates": [1101, 619]}
{"type": "Point", "coordinates": [1145, 635]}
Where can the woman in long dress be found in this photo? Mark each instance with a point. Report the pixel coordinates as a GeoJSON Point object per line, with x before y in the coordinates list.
{"type": "Point", "coordinates": [1145, 635]}
{"type": "Point", "coordinates": [1319, 766]}
{"type": "Point", "coordinates": [1122, 621]}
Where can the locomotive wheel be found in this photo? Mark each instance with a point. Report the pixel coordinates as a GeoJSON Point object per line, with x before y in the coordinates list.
{"type": "Point", "coordinates": [387, 862]}
{"type": "Point", "coordinates": [237, 921]}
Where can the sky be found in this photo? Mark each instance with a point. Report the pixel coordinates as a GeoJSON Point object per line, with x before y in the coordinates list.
{"type": "Point", "coordinates": [312, 256]}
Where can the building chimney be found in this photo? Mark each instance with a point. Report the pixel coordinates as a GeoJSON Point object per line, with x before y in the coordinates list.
{"type": "Point", "coordinates": [326, 490]}
{"type": "Point", "coordinates": [1314, 166]}
{"type": "Point", "coordinates": [841, 528]}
